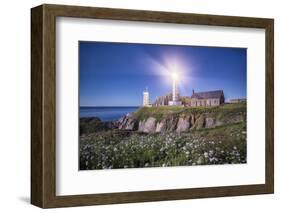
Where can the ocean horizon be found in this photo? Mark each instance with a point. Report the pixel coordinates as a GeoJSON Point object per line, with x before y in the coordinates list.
{"type": "Point", "coordinates": [106, 113]}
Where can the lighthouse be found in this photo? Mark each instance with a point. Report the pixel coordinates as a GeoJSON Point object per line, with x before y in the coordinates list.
{"type": "Point", "coordinates": [146, 98]}
{"type": "Point", "coordinates": [175, 91]}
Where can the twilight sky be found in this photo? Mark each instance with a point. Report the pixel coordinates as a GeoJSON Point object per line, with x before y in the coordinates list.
{"type": "Point", "coordinates": [115, 74]}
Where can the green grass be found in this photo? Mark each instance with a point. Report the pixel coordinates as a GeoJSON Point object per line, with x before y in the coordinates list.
{"type": "Point", "coordinates": [176, 111]}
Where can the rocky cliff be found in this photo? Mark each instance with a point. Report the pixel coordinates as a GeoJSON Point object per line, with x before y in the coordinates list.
{"type": "Point", "coordinates": [180, 119]}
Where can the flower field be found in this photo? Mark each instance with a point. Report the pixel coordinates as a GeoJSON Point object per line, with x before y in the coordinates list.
{"type": "Point", "coordinates": [113, 149]}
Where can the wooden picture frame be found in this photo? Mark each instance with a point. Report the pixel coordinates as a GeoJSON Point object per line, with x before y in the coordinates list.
{"type": "Point", "coordinates": [43, 105]}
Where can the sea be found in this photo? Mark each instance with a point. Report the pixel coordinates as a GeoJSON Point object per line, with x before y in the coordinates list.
{"type": "Point", "coordinates": [106, 113]}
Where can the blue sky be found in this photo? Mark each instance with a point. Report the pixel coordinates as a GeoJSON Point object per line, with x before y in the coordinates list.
{"type": "Point", "coordinates": [116, 74]}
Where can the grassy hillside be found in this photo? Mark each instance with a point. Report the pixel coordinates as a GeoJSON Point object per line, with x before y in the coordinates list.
{"type": "Point", "coordinates": [177, 111]}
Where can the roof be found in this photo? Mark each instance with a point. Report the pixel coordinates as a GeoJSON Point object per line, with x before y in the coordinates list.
{"type": "Point", "coordinates": [208, 94]}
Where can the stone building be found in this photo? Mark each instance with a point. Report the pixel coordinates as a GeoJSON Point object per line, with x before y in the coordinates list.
{"type": "Point", "coordinates": [238, 100]}
{"type": "Point", "coordinates": [208, 98]}
{"type": "Point", "coordinates": [163, 100]}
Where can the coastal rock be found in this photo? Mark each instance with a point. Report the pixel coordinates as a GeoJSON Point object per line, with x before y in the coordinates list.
{"type": "Point", "coordinates": [192, 120]}
{"type": "Point", "coordinates": [171, 124]}
{"type": "Point", "coordinates": [183, 124]}
{"type": "Point", "coordinates": [111, 124]}
{"type": "Point", "coordinates": [141, 126]}
{"type": "Point", "coordinates": [199, 122]}
{"type": "Point", "coordinates": [127, 122]}
{"type": "Point", "coordinates": [123, 119]}
{"type": "Point", "coordinates": [161, 126]}
{"type": "Point", "coordinates": [131, 124]}
{"type": "Point", "coordinates": [145, 120]}
{"type": "Point", "coordinates": [209, 122]}
{"type": "Point", "coordinates": [148, 125]}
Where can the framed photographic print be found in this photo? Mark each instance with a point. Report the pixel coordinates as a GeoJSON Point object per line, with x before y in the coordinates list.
{"type": "Point", "coordinates": [136, 106]}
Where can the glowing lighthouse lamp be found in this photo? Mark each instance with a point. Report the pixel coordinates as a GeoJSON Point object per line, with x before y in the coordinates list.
{"type": "Point", "coordinates": [175, 91]}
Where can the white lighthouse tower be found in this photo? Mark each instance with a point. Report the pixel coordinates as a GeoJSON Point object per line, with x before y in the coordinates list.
{"type": "Point", "coordinates": [175, 91]}
{"type": "Point", "coordinates": [145, 98]}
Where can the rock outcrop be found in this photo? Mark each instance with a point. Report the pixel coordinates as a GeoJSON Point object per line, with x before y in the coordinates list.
{"type": "Point", "coordinates": [127, 122]}
{"type": "Point", "coordinates": [209, 122]}
{"type": "Point", "coordinates": [161, 126]}
{"type": "Point", "coordinates": [167, 121]}
{"type": "Point", "coordinates": [183, 124]}
{"type": "Point", "coordinates": [148, 125]}
{"type": "Point", "coordinates": [176, 123]}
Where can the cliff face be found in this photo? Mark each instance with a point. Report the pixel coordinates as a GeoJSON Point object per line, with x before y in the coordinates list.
{"type": "Point", "coordinates": [168, 119]}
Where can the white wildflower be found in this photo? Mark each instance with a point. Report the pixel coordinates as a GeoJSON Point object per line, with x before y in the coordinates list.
{"type": "Point", "coordinates": [211, 152]}
{"type": "Point", "coordinates": [206, 155]}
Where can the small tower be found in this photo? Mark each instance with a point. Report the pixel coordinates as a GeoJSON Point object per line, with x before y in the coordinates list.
{"type": "Point", "coordinates": [146, 97]}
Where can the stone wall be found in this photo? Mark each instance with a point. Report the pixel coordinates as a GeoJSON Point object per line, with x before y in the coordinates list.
{"type": "Point", "coordinates": [205, 102]}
